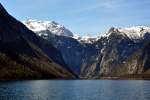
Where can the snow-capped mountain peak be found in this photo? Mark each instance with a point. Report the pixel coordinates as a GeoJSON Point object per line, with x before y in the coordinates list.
{"type": "Point", "coordinates": [41, 27]}
{"type": "Point", "coordinates": [87, 38]}
{"type": "Point", "coordinates": [135, 32]}
{"type": "Point", "coordinates": [52, 26]}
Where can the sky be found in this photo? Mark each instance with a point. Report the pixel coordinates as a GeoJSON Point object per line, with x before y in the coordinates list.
{"type": "Point", "coordinates": [83, 16]}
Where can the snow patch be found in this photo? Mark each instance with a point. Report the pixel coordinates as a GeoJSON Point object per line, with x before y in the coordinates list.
{"type": "Point", "coordinates": [136, 32]}
{"type": "Point", "coordinates": [52, 26]}
{"type": "Point", "coordinates": [41, 27]}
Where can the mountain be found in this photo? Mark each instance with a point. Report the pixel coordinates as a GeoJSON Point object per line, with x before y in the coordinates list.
{"type": "Point", "coordinates": [49, 50]}
{"type": "Point", "coordinates": [52, 26]}
{"type": "Point", "coordinates": [123, 52]}
{"type": "Point", "coordinates": [24, 55]}
{"type": "Point", "coordinates": [77, 52]}
{"type": "Point", "coordinates": [43, 28]}
{"type": "Point", "coordinates": [118, 53]}
{"type": "Point", "coordinates": [134, 33]}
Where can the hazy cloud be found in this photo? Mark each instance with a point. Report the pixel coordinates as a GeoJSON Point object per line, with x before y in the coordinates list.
{"type": "Point", "coordinates": [105, 5]}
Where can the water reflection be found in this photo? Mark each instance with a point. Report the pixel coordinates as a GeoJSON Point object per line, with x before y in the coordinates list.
{"type": "Point", "coordinates": [75, 90]}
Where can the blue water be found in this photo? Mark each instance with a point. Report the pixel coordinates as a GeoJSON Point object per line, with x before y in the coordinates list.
{"type": "Point", "coordinates": [75, 90]}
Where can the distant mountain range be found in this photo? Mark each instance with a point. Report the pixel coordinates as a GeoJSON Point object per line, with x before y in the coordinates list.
{"type": "Point", "coordinates": [45, 49]}
{"type": "Point", "coordinates": [108, 55]}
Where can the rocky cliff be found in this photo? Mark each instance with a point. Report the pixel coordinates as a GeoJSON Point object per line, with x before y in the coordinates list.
{"type": "Point", "coordinates": [111, 55]}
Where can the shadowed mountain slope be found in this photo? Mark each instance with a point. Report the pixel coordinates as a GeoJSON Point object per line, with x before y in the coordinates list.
{"type": "Point", "coordinates": [24, 55]}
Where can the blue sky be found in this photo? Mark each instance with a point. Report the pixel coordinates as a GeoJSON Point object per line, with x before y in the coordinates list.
{"type": "Point", "coordinates": [83, 16]}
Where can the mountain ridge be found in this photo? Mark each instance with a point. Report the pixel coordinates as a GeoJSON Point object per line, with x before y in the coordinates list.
{"type": "Point", "coordinates": [104, 55]}
{"type": "Point", "coordinates": [52, 53]}
{"type": "Point", "coordinates": [22, 55]}
{"type": "Point", "coordinates": [133, 32]}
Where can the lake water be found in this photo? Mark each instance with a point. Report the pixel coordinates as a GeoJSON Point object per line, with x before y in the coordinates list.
{"type": "Point", "coordinates": [75, 90]}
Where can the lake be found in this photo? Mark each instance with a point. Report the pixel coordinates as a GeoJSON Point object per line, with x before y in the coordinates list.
{"type": "Point", "coordinates": [75, 90]}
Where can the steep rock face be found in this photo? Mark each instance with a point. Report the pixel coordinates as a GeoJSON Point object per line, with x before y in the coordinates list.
{"type": "Point", "coordinates": [23, 54]}
{"type": "Point", "coordinates": [117, 49]}
{"type": "Point", "coordinates": [122, 54]}
{"type": "Point", "coordinates": [75, 54]}
{"type": "Point", "coordinates": [118, 53]}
